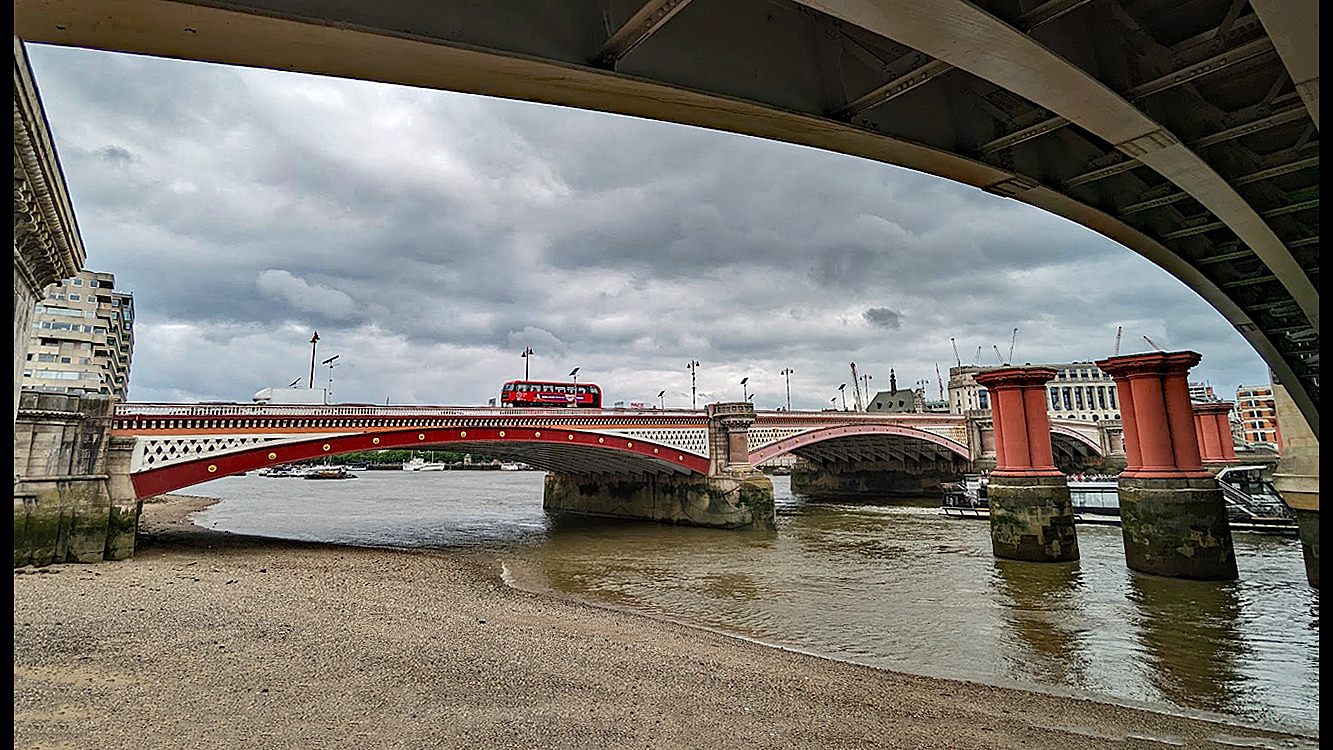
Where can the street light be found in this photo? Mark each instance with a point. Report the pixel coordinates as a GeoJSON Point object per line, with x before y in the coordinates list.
{"type": "Point", "coordinates": [293, 383]}
{"type": "Point", "coordinates": [694, 404]}
{"type": "Point", "coordinates": [842, 389]}
{"type": "Point", "coordinates": [661, 399]}
{"type": "Point", "coordinates": [574, 373]}
{"type": "Point", "coordinates": [745, 391]}
{"type": "Point", "coordinates": [787, 373]}
{"type": "Point", "coordinates": [526, 353]}
{"type": "Point", "coordinates": [328, 397]}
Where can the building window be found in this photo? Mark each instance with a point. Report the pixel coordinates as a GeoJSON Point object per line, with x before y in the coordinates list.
{"type": "Point", "coordinates": [1111, 392]}
{"type": "Point", "coordinates": [1078, 398]}
{"type": "Point", "coordinates": [983, 399]}
{"type": "Point", "coordinates": [1069, 404]}
{"type": "Point", "coordinates": [1055, 400]}
{"type": "Point", "coordinates": [78, 282]}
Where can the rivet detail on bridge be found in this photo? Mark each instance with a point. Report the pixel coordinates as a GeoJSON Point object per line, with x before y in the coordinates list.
{"type": "Point", "coordinates": [656, 450]}
{"type": "Point", "coordinates": [570, 436]}
{"type": "Point", "coordinates": [629, 445]}
{"type": "Point", "coordinates": [462, 433]}
{"type": "Point", "coordinates": [326, 446]}
{"type": "Point", "coordinates": [680, 457]}
{"type": "Point", "coordinates": [421, 436]}
{"type": "Point", "coordinates": [536, 434]}
{"type": "Point", "coordinates": [272, 456]}
{"type": "Point", "coordinates": [212, 468]}
{"type": "Point", "coordinates": [376, 441]}
{"type": "Point", "coordinates": [601, 440]}
{"type": "Point", "coordinates": [502, 433]}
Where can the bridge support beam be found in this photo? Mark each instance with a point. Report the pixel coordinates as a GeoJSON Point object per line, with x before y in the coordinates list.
{"type": "Point", "coordinates": [1296, 477]}
{"type": "Point", "coordinates": [734, 495]}
{"type": "Point", "coordinates": [909, 480]}
{"type": "Point", "coordinates": [1031, 517]}
{"type": "Point", "coordinates": [1212, 423]}
{"type": "Point", "coordinates": [1173, 519]}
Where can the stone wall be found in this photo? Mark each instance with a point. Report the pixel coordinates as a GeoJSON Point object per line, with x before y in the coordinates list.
{"type": "Point", "coordinates": [73, 501]}
{"type": "Point", "coordinates": [716, 502]}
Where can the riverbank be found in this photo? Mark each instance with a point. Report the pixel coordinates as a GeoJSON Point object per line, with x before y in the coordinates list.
{"type": "Point", "coordinates": [208, 639]}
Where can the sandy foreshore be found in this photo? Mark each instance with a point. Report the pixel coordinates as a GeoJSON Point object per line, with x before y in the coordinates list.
{"type": "Point", "coordinates": [214, 640]}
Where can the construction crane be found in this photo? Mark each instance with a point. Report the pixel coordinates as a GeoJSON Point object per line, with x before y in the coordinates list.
{"type": "Point", "coordinates": [856, 389]}
{"type": "Point", "coordinates": [1153, 343]}
{"type": "Point", "coordinates": [978, 357]}
{"type": "Point", "coordinates": [1115, 352]}
{"type": "Point", "coordinates": [939, 380]}
{"type": "Point", "coordinates": [958, 359]}
{"type": "Point", "coordinates": [997, 353]}
{"type": "Point", "coordinates": [1012, 339]}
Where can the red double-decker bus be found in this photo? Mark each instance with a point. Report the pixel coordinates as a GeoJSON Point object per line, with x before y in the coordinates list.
{"type": "Point", "coordinates": [541, 393]}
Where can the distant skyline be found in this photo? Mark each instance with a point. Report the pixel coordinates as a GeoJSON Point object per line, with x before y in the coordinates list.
{"type": "Point", "coordinates": [431, 237]}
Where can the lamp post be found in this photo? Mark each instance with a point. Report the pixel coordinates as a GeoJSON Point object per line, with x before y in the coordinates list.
{"type": "Point", "coordinates": [866, 378]}
{"type": "Point", "coordinates": [745, 392]}
{"type": "Point", "coordinates": [842, 389]}
{"type": "Point", "coordinates": [328, 397]}
{"type": "Point", "coordinates": [313, 340]}
{"type": "Point", "coordinates": [661, 399]}
{"type": "Point", "coordinates": [787, 374]}
{"type": "Point", "coordinates": [526, 353]}
{"type": "Point", "coordinates": [574, 373]}
{"type": "Point", "coordinates": [694, 403]}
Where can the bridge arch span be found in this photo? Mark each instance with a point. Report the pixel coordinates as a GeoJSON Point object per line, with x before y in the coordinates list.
{"type": "Point", "coordinates": [1071, 440]}
{"type": "Point", "coordinates": [552, 449]}
{"type": "Point", "coordinates": [935, 443]}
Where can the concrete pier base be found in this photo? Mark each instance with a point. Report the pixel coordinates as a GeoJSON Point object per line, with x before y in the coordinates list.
{"type": "Point", "coordinates": [744, 501]}
{"type": "Point", "coordinates": [815, 482]}
{"type": "Point", "coordinates": [1176, 527]}
{"type": "Point", "coordinates": [1308, 522]}
{"type": "Point", "coordinates": [1031, 518]}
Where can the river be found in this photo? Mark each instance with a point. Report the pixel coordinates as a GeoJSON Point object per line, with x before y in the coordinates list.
{"type": "Point", "coordinates": [893, 585]}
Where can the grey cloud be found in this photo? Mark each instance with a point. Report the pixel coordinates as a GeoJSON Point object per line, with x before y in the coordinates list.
{"type": "Point", "coordinates": [883, 317]}
{"type": "Point", "coordinates": [432, 236]}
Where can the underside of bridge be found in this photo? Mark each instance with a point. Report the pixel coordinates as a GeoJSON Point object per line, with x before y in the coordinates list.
{"type": "Point", "coordinates": [874, 466]}
{"type": "Point", "coordinates": [1187, 130]}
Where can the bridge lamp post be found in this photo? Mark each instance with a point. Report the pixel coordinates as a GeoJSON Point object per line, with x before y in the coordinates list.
{"type": "Point", "coordinates": [842, 390]}
{"type": "Point", "coordinates": [661, 399]}
{"type": "Point", "coordinates": [526, 353]}
{"type": "Point", "coordinates": [745, 392]}
{"type": "Point", "coordinates": [574, 373]}
{"type": "Point", "coordinates": [866, 378]}
{"type": "Point", "coordinates": [328, 397]}
{"type": "Point", "coordinates": [694, 403]}
{"type": "Point", "coordinates": [787, 374]}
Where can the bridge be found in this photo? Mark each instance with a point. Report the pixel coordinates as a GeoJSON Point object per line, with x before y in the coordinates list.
{"type": "Point", "coordinates": [178, 445]}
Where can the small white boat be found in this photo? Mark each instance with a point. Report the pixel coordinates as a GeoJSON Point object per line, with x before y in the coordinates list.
{"type": "Point", "coordinates": [418, 464]}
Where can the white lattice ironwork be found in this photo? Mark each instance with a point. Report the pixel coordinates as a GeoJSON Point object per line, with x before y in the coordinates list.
{"type": "Point", "coordinates": [688, 439]}
{"type": "Point", "coordinates": [156, 452]}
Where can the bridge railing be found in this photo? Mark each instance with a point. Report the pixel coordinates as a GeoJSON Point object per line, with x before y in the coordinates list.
{"type": "Point", "coordinates": [128, 410]}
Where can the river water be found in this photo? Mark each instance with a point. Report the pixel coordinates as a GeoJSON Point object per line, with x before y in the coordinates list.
{"type": "Point", "coordinates": [892, 585]}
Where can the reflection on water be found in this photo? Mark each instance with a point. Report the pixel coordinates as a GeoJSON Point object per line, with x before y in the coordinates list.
{"type": "Point", "coordinates": [1190, 638]}
{"type": "Point", "coordinates": [892, 585]}
{"type": "Point", "coordinates": [1036, 598]}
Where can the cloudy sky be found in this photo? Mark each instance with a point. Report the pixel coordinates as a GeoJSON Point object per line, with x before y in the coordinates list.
{"type": "Point", "coordinates": [431, 237]}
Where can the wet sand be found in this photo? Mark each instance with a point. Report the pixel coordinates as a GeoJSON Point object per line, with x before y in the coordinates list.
{"type": "Point", "coordinates": [214, 640]}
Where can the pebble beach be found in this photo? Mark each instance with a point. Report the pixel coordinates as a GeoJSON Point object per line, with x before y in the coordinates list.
{"type": "Point", "coordinates": [213, 640]}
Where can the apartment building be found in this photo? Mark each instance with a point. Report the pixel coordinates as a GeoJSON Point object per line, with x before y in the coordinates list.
{"type": "Point", "coordinates": [1257, 413]}
{"type": "Point", "coordinates": [82, 337]}
{"type": "Point", "coordinates": [1079, 391]}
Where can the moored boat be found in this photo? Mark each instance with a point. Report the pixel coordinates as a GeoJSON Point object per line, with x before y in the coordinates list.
{"type": "Point", "coordinates": [329, 472]}
{"type": "Point", "coordinates": [1252, 503]}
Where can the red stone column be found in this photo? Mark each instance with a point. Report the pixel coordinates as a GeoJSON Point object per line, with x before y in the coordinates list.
{"type": "Point", "coordinates": [1022, 426]}
{"type": "Point", "coordinates": [1172, 516]}
{"type": "Point", "coordinates": [1160, 439]}
{"type": "Point", "coordinates": [1214, 427]}
{"type": "Point", "coordinates": [1031, 517]}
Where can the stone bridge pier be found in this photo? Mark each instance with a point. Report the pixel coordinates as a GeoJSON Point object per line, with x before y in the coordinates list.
{"type": "Point", "coordinates": [73, 501]}
{"type": "Point", "coordinates": [1296, 477]}
{"type": "Point", "coordinates": [733, 495]}
{"type": "Point", "coordinates": [1031, 516]}
{"type": "Point", "coordinates": [1173, 519]}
